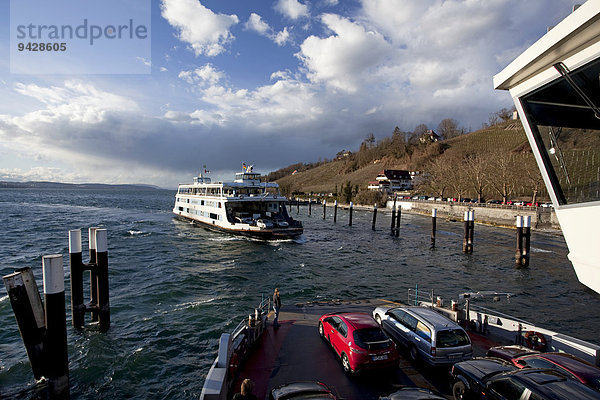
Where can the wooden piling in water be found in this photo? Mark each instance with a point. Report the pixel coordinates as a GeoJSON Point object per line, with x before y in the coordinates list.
{"type": "Point", "coordinates": [527, 237]}
{"type": "Point", "coordinates": [93, 272]}
{"type": "Point", "coordinates": [324, 208]}
{"type": "Point", "coordinates": [102, 269]}
{"type": "Point", "coordinates": [335, 212]}
{"type": "Point", "coordinates": [297, 205]}
{"type": "Point", "coordinates": [350, 215]}
{"type": "Point", "coordinates": [393, 228]}
{"type": "Point", "coordinates": [77, 268]}
{"type": "Point", "coordinates": [433, 226]}
{"type": "Point", "coordinates": [55, 343]}
{"type": "Point", "coordinates": [309, 206]}
{"type": "Point", "coordinates": [471, 230]}
{"type": "Point", "coordinates": [374, 216]}
{"type": "Point", "coordinates": [398, 216]}
{"type": "Point", "coordinates": [27, 306]}
{"type": "Point", "coordinates": [519, 249]}
{"type": "Point", "coordinates": [469, 220]}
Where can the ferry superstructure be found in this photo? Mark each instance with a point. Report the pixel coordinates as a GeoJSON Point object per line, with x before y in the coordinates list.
{"type": "Point", "coordinates": [245, 206]}
{"type": "Point", "coordinates": [555, 85]}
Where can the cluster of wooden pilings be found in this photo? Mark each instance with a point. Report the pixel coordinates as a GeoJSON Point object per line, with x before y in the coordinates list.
{"type": "Point", "coordinates": [43, 326]}
{"type": "Point", "coordinates": [523, 225]}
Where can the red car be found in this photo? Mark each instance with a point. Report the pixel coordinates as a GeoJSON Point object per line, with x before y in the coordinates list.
{"type": "Point", "coordinates": [565, 363]}
{"type": "Point", "coordinates": [358, 340]}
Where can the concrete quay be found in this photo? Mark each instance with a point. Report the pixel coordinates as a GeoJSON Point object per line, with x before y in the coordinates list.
{"type": "Point", "coordinates": [491, 214]}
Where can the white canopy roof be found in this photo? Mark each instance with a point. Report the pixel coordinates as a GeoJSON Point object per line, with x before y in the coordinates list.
{"type": "Point", "coordinates": [579, 30]}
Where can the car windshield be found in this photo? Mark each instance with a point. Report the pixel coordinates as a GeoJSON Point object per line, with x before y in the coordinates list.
{"type": "Point", "coordinates": [452, 338]}
{"type": "Point", "coordinates": [371, 338]}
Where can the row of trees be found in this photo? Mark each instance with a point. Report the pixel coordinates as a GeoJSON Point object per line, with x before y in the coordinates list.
{"type": "Point", "coordinates": [495, 175]}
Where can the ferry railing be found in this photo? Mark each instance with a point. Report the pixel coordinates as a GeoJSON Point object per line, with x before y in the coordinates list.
{"type": "Point", "coordinates": [417, 296]}
{"type": "Point", "coordinates": [233, 350]}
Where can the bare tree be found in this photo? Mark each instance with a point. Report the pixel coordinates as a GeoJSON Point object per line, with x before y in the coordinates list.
{"type": "Point", "coordinates": [448, 128]}
{"type": "Point", "coordinates": [435, 178]}
{"type": "Point", "coordinates": [502, 174]}
{"type": "Point", "coordinates": [477, 174]}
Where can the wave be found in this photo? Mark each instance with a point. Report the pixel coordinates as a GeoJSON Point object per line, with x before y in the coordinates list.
{"type": "Point", "coordinates": [538, 250]}
{"type": "Point", "coordinates": [3, 298]}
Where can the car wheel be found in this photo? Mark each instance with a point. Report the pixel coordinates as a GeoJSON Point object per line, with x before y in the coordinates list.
{"type": "Point", "coordinates": [321, 331]}
{"type": "Point", "coordinates": [413, 353]}
{"type": "Point", "coordinates": [459, 391]}
{"type": "Point", "coordinates": [378, 319]}
{"type": "Point", "coordinates": [346, 364]}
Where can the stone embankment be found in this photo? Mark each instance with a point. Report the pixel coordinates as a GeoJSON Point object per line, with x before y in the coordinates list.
{"type": "Point", "coordinates": [491, 214]}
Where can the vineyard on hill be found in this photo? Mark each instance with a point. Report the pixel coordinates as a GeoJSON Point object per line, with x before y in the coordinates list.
{"type": "Point", "coordinates": [492, 163]}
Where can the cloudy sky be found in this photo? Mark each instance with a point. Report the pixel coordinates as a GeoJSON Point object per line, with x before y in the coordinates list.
{"type": "Point", "coordinates": [266, 82]}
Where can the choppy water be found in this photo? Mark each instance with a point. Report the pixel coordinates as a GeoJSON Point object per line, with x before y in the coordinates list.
{"type": "Point", "coordinates": [176, 287]}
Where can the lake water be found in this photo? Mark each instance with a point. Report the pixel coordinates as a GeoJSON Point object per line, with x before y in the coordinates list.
{"type": "Point", "coordinates": [175, 287]}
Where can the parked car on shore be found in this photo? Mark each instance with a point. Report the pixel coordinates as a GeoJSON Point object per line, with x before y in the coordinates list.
{"type": "Point", "coordinates": [494, 379]}
{"type": "Point", "coordinates": [426, 334]}
{"type": "Point", "coordinates": [358, 340]}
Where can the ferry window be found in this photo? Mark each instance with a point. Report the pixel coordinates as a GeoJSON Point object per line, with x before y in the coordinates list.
{"type": "Point", "coordinates": [214, 216]}
{"type": "Point", "coordinates": [566, 130]}
{"type": "Point", "coordinates": [201, 202]}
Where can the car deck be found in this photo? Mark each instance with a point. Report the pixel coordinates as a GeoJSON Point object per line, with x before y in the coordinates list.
{"type": "Point", "coordinates": [295, 352]}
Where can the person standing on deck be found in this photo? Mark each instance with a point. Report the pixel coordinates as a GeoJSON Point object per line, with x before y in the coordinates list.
{"type": "Point", "coordinates": [276, 307]}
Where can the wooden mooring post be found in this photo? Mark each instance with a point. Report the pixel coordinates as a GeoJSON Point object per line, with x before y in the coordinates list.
{"type": "Point", "coordinates": [350, 215]}
{"type": "Point", "coordinates": [43, 327]}
{"type": "Point", "coordinates": [297, 205]}
{"type": "Point", "coordinates": [324, 208]}
{"type": "Point", "coordinates": [469, 220]}
{"type": "Point", "coordinates": [309, 206]}
{"type": "Point", "coordinates": [393, 227]}
{"type": "Point", "coordinates": [398, 216]}
{"type": "Point", "coordinates": [433, 226]}
{"type": "Point", "coordinates": [374, 216]}
{"type": "Point", "coordinates": [55, 343]}
{"type": "Point", "coordinates": [523, 240]}
{"type": "Point", "coordinates": [98, 266]}
{"type": "Point", "coordinates": [335, 212]}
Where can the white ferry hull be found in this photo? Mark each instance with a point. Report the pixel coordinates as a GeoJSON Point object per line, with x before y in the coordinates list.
{"type": "Point", "coordinates": [245, 206]}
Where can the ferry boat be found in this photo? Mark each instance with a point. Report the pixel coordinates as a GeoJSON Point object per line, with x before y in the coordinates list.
{"type": "Point", "coordinates": [245, 206]}
{"type": "Point", "coordinates": [556, 90]}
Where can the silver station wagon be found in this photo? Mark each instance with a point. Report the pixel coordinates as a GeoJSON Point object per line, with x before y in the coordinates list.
{"type": "Point", "coordinates": [426, 334]}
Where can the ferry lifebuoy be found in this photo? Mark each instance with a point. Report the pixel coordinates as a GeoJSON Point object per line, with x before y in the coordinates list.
{"type": "Point", "coordinates": [535, 341]}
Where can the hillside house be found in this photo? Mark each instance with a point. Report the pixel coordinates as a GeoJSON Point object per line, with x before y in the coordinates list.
{"type": "Point", "coordinates": [392, 180]}
{"type": "Point", "coordinates": [430, 137]}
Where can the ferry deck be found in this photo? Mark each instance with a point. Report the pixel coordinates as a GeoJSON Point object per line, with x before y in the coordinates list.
{"type": "Point", "coordinates": [295, 352]}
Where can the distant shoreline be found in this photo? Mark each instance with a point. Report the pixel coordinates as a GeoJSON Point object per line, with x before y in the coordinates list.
{"type": "Point", "coordinates": [59, 185]}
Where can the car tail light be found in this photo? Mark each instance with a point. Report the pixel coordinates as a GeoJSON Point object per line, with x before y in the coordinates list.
{"type": "Point", "coordinates": [433, 351]}
{"type": "Point", "coordinates": [355, 350]}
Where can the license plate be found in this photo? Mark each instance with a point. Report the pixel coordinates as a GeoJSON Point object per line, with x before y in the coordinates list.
{"type": "Point", "coordinates": [455, 355]}
{"type": "Point", "coordinates": [379, 358]}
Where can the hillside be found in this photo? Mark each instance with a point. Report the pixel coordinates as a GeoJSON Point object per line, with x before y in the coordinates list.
{"type": "Point", "coordinates": [506, 140]}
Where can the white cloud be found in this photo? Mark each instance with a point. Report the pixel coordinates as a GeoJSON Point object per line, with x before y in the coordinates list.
{"type": "Point", "coordinates": [206, 32]}
{"type": "Point", "coordinates": [292, 9]}
{"type": "Point", "coordinates": [255, 23]}
{"type": "Point", "coordinates": [282, 37]}
{"type": "Point", "coordinates": [205, 75]}
{"type": "Point", "coordinates": [348, 58]}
